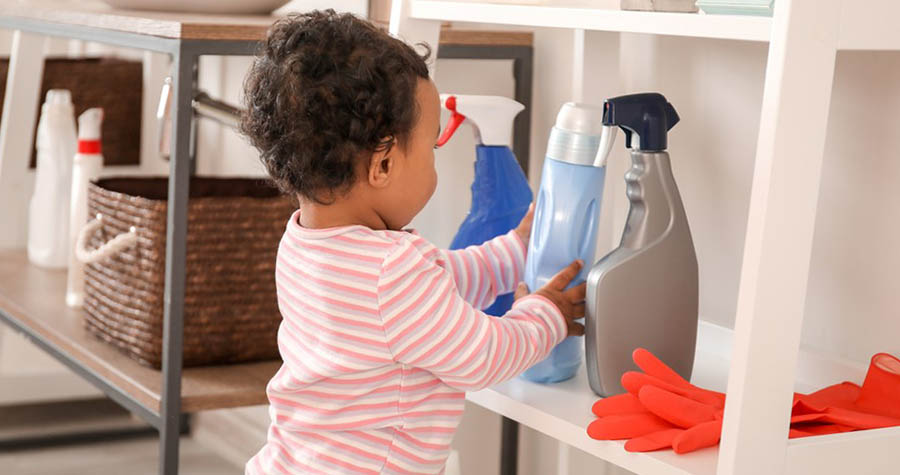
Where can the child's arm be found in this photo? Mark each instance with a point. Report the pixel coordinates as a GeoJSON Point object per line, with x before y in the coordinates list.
{"type": "Point", "coordinates": [494, 268]}
{"type": "Point", "coordinates": [483, 272]}
{"type": "Point", "coordinates": [430, 326]}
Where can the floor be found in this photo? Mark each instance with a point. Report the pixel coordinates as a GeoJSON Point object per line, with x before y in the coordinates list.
{"type": "Point", "coordinates": [49, 439]}
{"type": "Point", "coordinates": [134, 457]}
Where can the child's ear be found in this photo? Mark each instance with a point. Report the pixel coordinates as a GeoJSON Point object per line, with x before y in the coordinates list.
{"type": "Point", "coordinates": [381, 165]}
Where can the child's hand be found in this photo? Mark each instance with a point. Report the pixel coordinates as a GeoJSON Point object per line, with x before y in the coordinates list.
{"type": "Point", "coordinates": [569, 302]}
{"type": "Point", "coordinates": [524, 227]}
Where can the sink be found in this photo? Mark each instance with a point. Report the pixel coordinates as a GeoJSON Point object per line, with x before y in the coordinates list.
{"type": "Point", "coordinates": [201, 6]}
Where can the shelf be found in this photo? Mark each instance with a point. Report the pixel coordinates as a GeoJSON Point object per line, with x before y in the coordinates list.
{"type": "Point", "coordinates": [185, 26]}
{"type": "Point", "coordinates": [563, 411]}
{"type": "Point", "coordinates": [584, 14]}
{"type": "Point", "coordinates": [32, 300]}
{"type": "Point", "coordinates": [870, 25]}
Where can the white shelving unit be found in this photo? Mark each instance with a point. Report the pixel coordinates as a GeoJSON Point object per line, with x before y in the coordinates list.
{"type": "Point", "coordinates": [760, 363]}
{"type": "Point", "coordinates": [562, 411]}
{"type": "Point", "coordinates": [868, 25]}
{"type": "Point", "coordinates": [581, 14]}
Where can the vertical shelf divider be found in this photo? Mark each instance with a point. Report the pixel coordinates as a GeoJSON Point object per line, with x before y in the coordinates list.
{"type": "Point", "coordinates": [779, 236]}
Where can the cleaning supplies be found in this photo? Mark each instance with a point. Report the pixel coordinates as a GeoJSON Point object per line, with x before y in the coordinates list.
{"type": "Point", "coordinates": [659, 410]}
{"type": "Point", "coordinates": [500, 193]}
{"type": "Point", "coordinates": [48, 215]}
{"type": "Point", "coordinates": [565, 219]}
{"type": "Point", "coordinates": [645, 292]}
{"type": "Point", "coordinates": [88, 163]}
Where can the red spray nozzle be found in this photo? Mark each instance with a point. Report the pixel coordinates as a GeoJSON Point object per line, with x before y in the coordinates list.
{"type": "Point", "coordinates": [456, 119]}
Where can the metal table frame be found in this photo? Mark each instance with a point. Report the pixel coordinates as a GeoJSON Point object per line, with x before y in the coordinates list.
{"type": "Point", "coordinates": [185, 53]}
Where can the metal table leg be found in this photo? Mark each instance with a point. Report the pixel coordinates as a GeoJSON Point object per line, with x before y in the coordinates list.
{"type": "Point", "coordinates": [509, 447]}
{"type": "Point", "coordinates": [523, 74]}
{"type": "Point", "coordinates": [176, 243]}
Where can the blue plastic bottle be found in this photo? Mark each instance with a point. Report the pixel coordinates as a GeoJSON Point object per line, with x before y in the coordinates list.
{"type": "Point", "coordinates": [500, 192]}
{"type": "Point", "coordinates": [565, 220]}
{"type": "Point", "coordinates": [500, 199]}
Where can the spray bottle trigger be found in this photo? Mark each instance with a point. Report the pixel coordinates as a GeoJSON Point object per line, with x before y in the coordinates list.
{"type": "Point", "coordinates": [627, 137]}
{"type": "Point", "coordinates": [456, 119]}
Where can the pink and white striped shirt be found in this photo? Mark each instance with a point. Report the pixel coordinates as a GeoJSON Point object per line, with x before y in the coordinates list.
{"type": "Point", "coordinates": [381, 338]}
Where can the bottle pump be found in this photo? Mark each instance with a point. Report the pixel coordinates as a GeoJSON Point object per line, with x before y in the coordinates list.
{"type": "Point", "coordinates": [643, 294]}
{"type": "Point", "coordinates": [500, 193]}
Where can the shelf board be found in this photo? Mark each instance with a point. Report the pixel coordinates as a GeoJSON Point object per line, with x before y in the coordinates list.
{"type": "Point", "coordinates": [563, 410]}
{"type": "Point", "coordinates": [452, 36]}
{"type": "Point", "coordinates": [868, 26]}
{"type": "Point", "coordinates": [585, 14]}
{"type": "Point", "coordinates": [33, 300]}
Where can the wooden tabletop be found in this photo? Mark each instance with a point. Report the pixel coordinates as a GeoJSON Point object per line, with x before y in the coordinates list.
{"type": "Point", "coordinates": [186, 26]}
{"type": "Point", "coordinates": [452, 36]}
{"type": "Point", "coordinates": [36, 298]}
{"type": "Point", "coordinates": [192, 26]}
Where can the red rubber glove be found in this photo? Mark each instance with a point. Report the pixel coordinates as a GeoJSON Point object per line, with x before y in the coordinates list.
{"type": "Point", "coordinates": [880, 393]}
{"type": "Point", "coordinates": [662, 409]}
{"type": "Point", "coordinates": [839, 395]}
{"type": "Point", "coordinates": [623, 417]}
{"type": "Point", "coordinates": [874, 405]}
{"type": "Point", "coordinates": [697, 424]}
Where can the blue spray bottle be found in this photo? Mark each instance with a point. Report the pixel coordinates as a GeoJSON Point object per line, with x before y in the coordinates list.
{"type": "Point", "coordinates": [500, 193]}
{"type": "Point", "coordinates": [565, 219]}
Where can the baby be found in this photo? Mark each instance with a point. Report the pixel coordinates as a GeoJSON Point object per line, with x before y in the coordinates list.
{"type": "Point", "coordinates": [382, 332]}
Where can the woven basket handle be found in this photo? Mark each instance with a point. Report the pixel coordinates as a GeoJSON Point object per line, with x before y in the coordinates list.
{"type": "Point", "coordinates": [111, 248]}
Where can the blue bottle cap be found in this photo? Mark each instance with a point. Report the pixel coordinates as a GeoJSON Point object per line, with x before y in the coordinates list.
{"type": "Point", "coordinates": [575, 138]}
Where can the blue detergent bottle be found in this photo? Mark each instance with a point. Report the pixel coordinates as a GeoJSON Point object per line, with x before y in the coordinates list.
{"type": "Point", "coordinates": [565, 219]}
{"type": "Point", "coordinates": [500, 193]}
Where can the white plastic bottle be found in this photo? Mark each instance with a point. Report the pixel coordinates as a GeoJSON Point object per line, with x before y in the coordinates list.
{"type": "Point", "coordinates": [87, 166]}
{"type": "Point", "coordinates": [48, 213]}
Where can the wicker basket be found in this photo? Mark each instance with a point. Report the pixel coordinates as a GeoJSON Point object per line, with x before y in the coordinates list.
{"type": "Point", "coordinates": [230, 308]}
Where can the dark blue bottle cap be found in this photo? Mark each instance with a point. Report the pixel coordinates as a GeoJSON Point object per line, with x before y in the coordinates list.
{"type": "Point", "coordinates": [649, 115]}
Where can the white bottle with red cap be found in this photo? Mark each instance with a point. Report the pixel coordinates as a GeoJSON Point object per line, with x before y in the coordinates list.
{"type": "Point", "coordinates": [48, 213]}
{"type": "Point", "coordinates": [86, 168]}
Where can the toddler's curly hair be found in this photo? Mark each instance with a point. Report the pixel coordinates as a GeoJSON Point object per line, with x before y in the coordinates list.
{"type": "Point", "coordinates": [326, 89]}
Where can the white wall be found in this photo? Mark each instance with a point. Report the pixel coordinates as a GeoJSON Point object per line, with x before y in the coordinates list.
{"type": "Point", "coordinates": [854, 292]}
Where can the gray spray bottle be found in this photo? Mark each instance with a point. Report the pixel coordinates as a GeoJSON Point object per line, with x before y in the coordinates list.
{"type": "Point", "coordinates": [643, 294]}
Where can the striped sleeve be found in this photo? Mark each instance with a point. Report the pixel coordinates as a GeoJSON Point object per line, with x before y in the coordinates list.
{"type": "Point", "coordinates": [483, 272]}
{"type": "Point", "coordinates": [428, 325]}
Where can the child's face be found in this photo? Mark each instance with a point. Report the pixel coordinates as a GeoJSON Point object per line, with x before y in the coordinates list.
{"type": "Point", "coordinates": [414, 177]}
